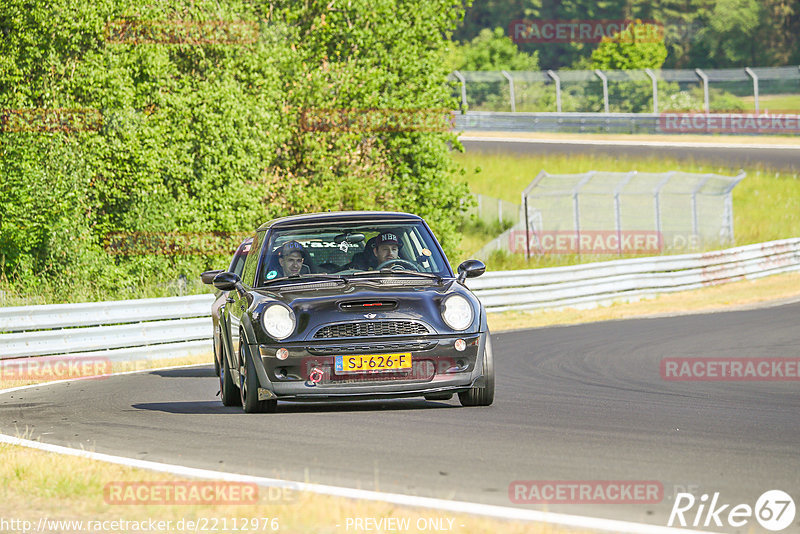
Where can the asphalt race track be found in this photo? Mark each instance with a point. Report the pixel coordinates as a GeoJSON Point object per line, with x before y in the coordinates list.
{"type": "Point", "coordinates": [573, 403]}
{"type": "Point", "coordinates": [730, 157]}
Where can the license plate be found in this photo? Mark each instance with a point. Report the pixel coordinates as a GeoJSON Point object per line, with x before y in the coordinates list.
{"type": "Point", "coordinates": [372, 362]}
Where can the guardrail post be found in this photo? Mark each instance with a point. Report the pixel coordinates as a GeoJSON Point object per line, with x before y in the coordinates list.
{"type": "Point", "coordinates": [557, 80]}
{"type": "Point", "coordinates": [704, 78]}
{"type": "Point", "coordinates": [511, 90]}
{"type": "Point", "coordinates": [653, 78]}
{"type": "Point", "coordinates": [463, 90]}
{"type": "Point", "coordinates": [604, 78]}
{"type": "Point", "coordinates": [754, 76]}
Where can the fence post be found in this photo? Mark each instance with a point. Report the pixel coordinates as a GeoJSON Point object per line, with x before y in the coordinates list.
{"type": "Point", "coordinates": [754, 76]}
{"type": "Point", "coordinates": [556, 79]}
{"type": "Point", "coordinates": [576, 207]}
{"type": "Point", "coordinates": [511, 90]}
{"type": "Point", "coordinates": [617, 216]}
{"type": "Point", "coordinates": [703, 77]}
{"type": "Point", "coordinates": [653, 78]}
{"type": "Point", "coordinates": [657, 200]}
{"type": "Point", "coordinates": [695, 222]}
{"type": "Point", "coordinates": [463, 90]}
{"type": "Point", "coordinates": [500, 211]}
{"type": "Point", "coordinates": [603, 77]}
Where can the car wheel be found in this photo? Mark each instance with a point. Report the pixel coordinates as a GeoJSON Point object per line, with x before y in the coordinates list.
{"type": "Point", "coordinates": [482, 396]}
{"type": "Point", "coordinates": [248, 388]}
{"type": "Point", "coordinates": [226, 386]}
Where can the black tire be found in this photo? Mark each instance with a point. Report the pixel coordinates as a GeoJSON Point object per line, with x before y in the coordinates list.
{"type": "Point", "coordinates": [248, 388]}
{"type": "Point", "coordinates": [227, 389]}
{"type": "Point", "coordinates": [482, 396]}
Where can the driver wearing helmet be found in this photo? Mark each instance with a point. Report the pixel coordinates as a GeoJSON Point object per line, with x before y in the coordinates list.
{"type": "Point", "coordinates": [387, 247]}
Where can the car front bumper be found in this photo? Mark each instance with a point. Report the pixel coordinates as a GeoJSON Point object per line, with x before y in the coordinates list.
{"type": "Point", "coordinates": [308, 373]}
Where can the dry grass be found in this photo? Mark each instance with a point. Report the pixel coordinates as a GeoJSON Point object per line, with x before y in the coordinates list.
{"type": "Point", "coordinates": [36, 484]}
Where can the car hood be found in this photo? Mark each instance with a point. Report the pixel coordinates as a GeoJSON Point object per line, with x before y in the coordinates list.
{"type": "Point", "coordinates": [317, 305]}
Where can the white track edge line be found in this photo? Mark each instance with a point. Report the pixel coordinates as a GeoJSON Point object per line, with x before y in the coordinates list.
{"type": "Point", "coordinates": [488, 510]}
{"type": "Point", "coordinates": [625, 143]}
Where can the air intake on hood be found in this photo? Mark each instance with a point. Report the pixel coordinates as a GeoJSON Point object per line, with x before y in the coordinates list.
{"type": "Point", "coordinates": [368, 305]}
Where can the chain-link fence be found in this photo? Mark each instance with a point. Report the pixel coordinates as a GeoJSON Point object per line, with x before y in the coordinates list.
{"type": "Point", "coordinates": [600, 213]}
{"type": "Point", "coordinates": [747, 90]}
{"type": "Point", "coordinates": [494, 210]}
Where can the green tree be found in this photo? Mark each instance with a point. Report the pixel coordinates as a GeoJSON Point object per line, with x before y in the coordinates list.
{"type": "Point", "coordinates": [193, 132]}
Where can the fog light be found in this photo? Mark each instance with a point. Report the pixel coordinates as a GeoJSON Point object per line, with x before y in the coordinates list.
{"type": "Point", "coordinates": [282, 354]}
{"type": "Point", "coordinates": [460, 345]}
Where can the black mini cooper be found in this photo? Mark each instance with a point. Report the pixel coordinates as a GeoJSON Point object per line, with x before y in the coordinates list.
{"type": "Point", "coordinates": [350, 306]}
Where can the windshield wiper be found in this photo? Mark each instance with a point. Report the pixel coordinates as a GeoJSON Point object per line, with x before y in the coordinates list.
{"type": "Point", "coordinates": [384, 272]}
{"type": "Point", "coordinates": [306, 278]}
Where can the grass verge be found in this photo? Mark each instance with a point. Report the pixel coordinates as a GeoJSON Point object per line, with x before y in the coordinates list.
{"type": "Point", "coordinates": [765, 203]}
{"type": "Point", "coordinates": [43, 486]}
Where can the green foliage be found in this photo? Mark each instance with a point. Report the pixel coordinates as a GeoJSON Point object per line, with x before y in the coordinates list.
{"type": "Point", "coordinates": [202, 133]}
{"type": "Point", "coordinates": [698, 33]}
{"type": "Point", "coordinates": [491, 50]}
{"type": "Point", "coordinates": [640, 46]}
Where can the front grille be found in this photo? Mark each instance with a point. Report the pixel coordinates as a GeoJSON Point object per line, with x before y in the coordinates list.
{"type": "Point", "coordinates": [371, 329]}
{"type": "Point", "coordinates": [421, 371]}
{"type": "Point", "coordinates": [370, 348]}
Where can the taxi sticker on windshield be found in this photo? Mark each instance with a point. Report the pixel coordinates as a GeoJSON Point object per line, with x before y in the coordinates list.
{"type": "Point", "coordinates": [271, 275]}
{"type": "Point", "coordinates": [426, 252]}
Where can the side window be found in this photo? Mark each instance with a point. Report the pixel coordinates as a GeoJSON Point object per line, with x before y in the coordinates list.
{"type": "Point", "coordinates": [249, 271]}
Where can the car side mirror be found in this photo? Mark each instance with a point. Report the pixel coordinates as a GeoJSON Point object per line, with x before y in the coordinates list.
{"type": "Point", "coordinates": [227, 281]}
{"type": "Point", "coordinates": [208, 276]}
{"type": "Point", "coordinates": [470, 269]}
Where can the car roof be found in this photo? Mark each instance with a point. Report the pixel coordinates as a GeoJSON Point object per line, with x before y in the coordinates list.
{"type": "Point", "coordinates": [339, 216]}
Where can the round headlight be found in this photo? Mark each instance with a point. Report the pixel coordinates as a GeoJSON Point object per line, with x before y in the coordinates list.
{"type": "Point", "coordinates": [457, 312]}
{"type": "Point", "coordinates": [278, 321]}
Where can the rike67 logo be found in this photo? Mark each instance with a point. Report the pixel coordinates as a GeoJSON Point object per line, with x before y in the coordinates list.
{"type": "Point", "coordinates": [774, 511]}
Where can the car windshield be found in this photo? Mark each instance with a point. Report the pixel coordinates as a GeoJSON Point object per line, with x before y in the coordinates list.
{"type": "Point", "coordinates": [345, 250]}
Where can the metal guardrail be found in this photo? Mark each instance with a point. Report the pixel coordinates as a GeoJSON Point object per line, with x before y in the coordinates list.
{"type": "Point", "coordinates": [177, 326]}
{"type": "Point", "coordinates": [116, 330]}
{"type": "Point", "coordinates": [631, 279]}
{"type": "Point", "coordinates": [632, 123]}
